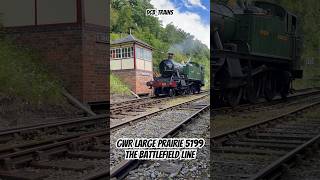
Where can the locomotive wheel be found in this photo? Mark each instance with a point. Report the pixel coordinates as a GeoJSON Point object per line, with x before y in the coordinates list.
{"type": "Point", "coordinates": [187, 91]}
{"type": "Point", "coordinates": [251, 94]}
{"type": "Point", "coordinates": [157, 92]}
{"type": "Point", "coordinates": [193, 90]}
{"type": "Point", "coordinates": [171, 93]}
{"type": "Point", "coordinates": [216, 101]}
{"type": "Point", "coordinates": [270, 88]}
{"type": "Point", "coordinates": [284, 92]}
{"type": "Point", "coordinates": [233, 96]}
{"type": "Point", "coordinates": [198, 89]}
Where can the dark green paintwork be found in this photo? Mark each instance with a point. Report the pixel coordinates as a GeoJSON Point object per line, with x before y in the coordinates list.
{"type": "Point", "coordinates": [272, 35]}
{"type": "Point", "coordinates": [194, 71]}
{"type": "Point", "coordinates": [265, 35]}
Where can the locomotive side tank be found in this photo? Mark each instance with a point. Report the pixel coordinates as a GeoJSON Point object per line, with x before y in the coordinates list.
{"type": "Point", "coordinates": [256, 51]}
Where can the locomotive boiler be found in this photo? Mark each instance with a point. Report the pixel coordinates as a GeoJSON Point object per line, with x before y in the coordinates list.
{"type": "Point", "coordinates": [255, 51]}
{"type": "Point", "coordinates": [177, 79]}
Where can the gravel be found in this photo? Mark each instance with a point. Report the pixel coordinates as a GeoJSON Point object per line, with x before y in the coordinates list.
{"type": "Point", "coordinates": [180, 169]}
{"type": "Point", "coordinates": [155, 127]}
{"type": "Point", "coordinates": [308, 169]}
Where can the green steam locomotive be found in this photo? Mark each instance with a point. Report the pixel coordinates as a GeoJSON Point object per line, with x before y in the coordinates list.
{"type": "Point", "coordinates": [255, 51]}
{"type": "Point", "coordinates": [177, 79]}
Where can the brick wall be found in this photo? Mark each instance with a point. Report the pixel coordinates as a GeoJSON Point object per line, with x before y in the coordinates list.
{"type": "Point", "coordinates": [71, 52]}
{"type": "Point", "coordinates": [142, 78]}
{"type": "Point", "coordinates": [96, 65]}
{"type": "Point", "coordinates": [136, 79]}
{"type": "Point", "coordinates": [128, 76]}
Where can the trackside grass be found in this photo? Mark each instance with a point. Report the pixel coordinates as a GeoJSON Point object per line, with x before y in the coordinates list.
{"type": "Point", "coordinates": [23, 75]}
{"type": "Point", "coordinates": [117, 86]}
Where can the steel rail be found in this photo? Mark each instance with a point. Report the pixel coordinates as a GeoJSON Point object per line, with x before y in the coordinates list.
{"type": "Point", "coordinates": [273, 170]}
{"type": "Point", "coordinates": [247, 129]}
{"type": "Point", "coordinates": [139, 118]}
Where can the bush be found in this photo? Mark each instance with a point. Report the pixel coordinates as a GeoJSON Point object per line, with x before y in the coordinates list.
{"type": "Point", "coordinates": [22, 75]}
{"type": "Point", "coordinates": [117, 86]}
{"type": "Point", "coordinates": [311, 77]}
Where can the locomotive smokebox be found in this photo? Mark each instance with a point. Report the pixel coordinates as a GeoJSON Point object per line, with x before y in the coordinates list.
{"type": "Point", "coordinates": [168, 67]}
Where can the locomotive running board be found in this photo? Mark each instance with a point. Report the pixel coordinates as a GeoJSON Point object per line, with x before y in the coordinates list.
{"type": "Point", "coordinates": [232, 54]}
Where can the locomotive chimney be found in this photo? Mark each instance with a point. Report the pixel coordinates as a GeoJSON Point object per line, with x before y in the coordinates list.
{"type": "Point", "coordinates": [170, 55]}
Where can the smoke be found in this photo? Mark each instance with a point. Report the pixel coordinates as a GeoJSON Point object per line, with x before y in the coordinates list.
{"type": "Point", "coordinates": [184, 47]}
{"type": "Point", "coordinates": [187, 47]}
{"type": "Point", "coordinates": [190, 47]}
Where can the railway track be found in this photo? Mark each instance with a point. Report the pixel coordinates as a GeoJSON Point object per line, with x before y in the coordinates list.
{"type": "Point", "coordinates": [120, 110]}
{"type": "Point", "coordinates": [265, 149]}
{"type": "Point", "coordinates": [118, 123]}
{"type": "Point", "coordinates": [306, 169]}
{"type": "Point", "coordinates": [170, 125]}
{"type": "Point", "coordinates": [29, 132]}
{"type": "Point", "coordinates": [295, 99]}
{"type": "Point", "coordinates": [100, 120]}
{"type": "Point", "coordinates": [46, 151]}
{"type": "Point", "coordinates": [71, 157]}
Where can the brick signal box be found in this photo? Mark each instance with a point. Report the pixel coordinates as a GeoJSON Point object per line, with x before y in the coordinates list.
{"type": "Point", "coordinates": [131, 60]}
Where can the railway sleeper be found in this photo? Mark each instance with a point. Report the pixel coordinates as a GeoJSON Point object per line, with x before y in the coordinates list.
{"type": "Point", "coordinates": [63, 165]}
{"type": "Point", "coordinates": [237, 163]}
{"type": "Point", "coordinates": [281, 136]}
{"type": "Point", "coordinates": [241, 150]}
{"type": "Point", "coordinates": [271, 141]}
{"type": "Point", "coordinates": [232, 176]}
{"type": "Point", "coordinates": [287, 131]}
{"type": "Point", "coordinates": [102, 147]}
{"type": "Point", "coordinates": [262, 145]}
{"type": "Point", "coordinates": [10, 163]}
{"type": "Point", "coordinates": [5, 139]}
{"type": "Point", "coordinates": [87, 154]}
{"type": "Point", "coordinates": [300, 127]}
{"type": "Point", "coordinates": [303, 124]}
{"type": "Point", "coordinates": [23, 175]}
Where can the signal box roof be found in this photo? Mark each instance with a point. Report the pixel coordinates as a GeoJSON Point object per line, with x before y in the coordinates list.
{"type": "Point", "coordinates": [131, 38]}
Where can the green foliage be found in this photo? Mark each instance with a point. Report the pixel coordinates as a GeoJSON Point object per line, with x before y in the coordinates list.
{"type": "Point", "coordinates": [130, 14]}
{"type": "Point", "coordinates": [309, 27]}
{"type": "Point", "coordinates": [22, 75]}
{"type": "Point", "coordinates": [117, 86]}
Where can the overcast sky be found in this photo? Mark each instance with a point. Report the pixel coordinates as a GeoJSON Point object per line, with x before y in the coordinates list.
{"type": "Point", "coordinates": [192, 16]}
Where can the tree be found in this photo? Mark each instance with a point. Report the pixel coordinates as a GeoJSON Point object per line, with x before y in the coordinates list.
{"type": "Point", "coordinates": [130, 14]}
